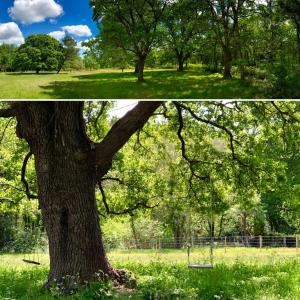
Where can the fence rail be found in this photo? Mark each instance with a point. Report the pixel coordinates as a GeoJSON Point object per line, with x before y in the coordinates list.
{"type": "Point", "coordinates": [196, 242]}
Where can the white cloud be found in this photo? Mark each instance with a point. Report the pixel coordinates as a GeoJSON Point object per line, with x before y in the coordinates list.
{"type": "Point", "coordinates": [10, 34]}
{"type": "Point", "coordinates": [78, 30]}
{"type": "Point", "coordinates": [34, 11]}
{"type": "Point", "coordinates": [59, 35]}
{"type": "Point", "coordinates": [81, 47]}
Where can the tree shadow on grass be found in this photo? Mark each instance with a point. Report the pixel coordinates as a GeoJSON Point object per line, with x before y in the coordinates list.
{"type": "Point", "coordinates": [159, 84]}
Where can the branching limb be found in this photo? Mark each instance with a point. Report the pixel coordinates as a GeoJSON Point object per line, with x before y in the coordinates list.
{"type": "Point", "coordinates": [11, 186]}
{"type": "Point", "coordinates": [6, 200]}
{"type": "Point", "coordinates": [23, 177]}
{"type": "Point", "coordinates": [141, 204]}
{"type": "Point", "coordinates": [232, 140]}
{"type": "Point", "coordinates": [121, 132]}
{"type": "Point", "coordinates": [4, 130]}
{"type": "Point", "coordinates": [7, 113]}
{"type": "Point", "coordinates": [100, 113]}
{"type": "Point", "coordinates": [120, 181]}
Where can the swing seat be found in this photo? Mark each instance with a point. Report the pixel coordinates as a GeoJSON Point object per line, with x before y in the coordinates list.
{"type": "Point", "coordinates": [31, 262]}
{"type": "Point", "coordinates": [203, 266]}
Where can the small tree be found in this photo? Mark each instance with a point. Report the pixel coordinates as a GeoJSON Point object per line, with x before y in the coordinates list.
{"type": "Point", "coordinates": [40, 52]}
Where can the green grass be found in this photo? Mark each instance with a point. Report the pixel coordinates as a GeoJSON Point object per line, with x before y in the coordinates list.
{"type": "Point", "coordinates": [238, 274]}
{"type": "Point", "coordinates": [113, 84]}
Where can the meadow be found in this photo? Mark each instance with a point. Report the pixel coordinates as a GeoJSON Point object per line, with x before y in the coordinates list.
{"type": "Point", "coordinates": [113, 84]}
{"type": "Point", "coordinates": [239, 273]}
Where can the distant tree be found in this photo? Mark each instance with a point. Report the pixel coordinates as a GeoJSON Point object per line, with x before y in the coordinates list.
{"type": "Point", "coordinates": [106, 55]}
{"type": "Point", "coordinates": [40, 52]}
{"type": "Point", "coordinates": [71, 53]}
{"type": "Point", "coordinates": [7, 56]}
{"type": "Point", "coordinates": [90, 62]}
{"type": "Point", "coordinates": [130, 25]}
{"type": "Point", "coordinates": [225, 16]}
{"type": "Point", "coordinates": [183, 22]}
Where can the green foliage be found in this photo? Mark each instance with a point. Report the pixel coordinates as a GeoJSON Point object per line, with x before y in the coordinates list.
{"type": "Point", "coordinates": [39, 53]}
{"type": "Point", "coordinates": [7, 56]}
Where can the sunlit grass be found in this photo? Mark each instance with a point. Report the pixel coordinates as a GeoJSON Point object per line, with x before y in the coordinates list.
{"type": "Point", "coordinates": [113, 84]}
{"type": "Point", "coordinates": [239, 273]}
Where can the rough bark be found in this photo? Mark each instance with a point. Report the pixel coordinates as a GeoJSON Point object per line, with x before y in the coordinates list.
{"type": "Point", "coordinates": [68, 166]}
{"type": "Point", "coordinates": [66, 177]}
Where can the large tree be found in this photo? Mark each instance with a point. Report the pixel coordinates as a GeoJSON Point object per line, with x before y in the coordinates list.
{"type": "Point", "coordinates": [68, 167]}
{"type": "Point", "coordinates": [130, 25]}
{"type": "Point", "coordinates": [40, 52]}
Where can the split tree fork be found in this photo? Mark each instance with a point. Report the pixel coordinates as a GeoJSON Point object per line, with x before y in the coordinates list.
{"type": "Point", "coordinates": [68, 167]}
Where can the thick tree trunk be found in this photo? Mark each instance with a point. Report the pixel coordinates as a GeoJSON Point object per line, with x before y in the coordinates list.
{"type": "Point", "coordinates": [141, 66]}
{"type": "Point", "coordinates": [68, 166]}
{"type": "Point", "coordinates": [227, 63]}
{"type": "Point", "coordinates": [66, 177]}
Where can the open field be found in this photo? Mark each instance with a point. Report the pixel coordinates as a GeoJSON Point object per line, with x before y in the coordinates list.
{"type": "Point", "coordinates": [240, 273]}
{"type": "Point", "coordinates": [113, 84]}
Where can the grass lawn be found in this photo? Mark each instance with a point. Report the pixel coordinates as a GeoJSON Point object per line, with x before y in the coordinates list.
{"type": "Point", "coordinates": [238, 274]}
{"type": "Point", "coordinates": [113, 84]}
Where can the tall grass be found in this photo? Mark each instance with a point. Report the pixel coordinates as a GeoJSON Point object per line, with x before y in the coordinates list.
{"type": "Point", "coordinates": [264, 277]}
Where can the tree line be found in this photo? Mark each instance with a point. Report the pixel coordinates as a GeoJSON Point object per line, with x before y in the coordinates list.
{"type": "Point", "coordinates": [221, 34]}
{"type": "Point", "coordinates": [41, 52]}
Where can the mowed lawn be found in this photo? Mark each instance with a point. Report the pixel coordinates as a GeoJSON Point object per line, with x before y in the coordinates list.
{"type": "Point", "coordinates": [238, 274]}
{"type": "Point", "coordinates": [113, 84]}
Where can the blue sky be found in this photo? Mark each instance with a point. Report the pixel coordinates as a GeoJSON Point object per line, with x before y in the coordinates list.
{"type": "Point", "coordinates": [20, 18]}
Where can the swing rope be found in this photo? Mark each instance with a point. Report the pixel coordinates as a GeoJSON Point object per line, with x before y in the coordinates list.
{"type": "Point", "coordinates": [32, 260]}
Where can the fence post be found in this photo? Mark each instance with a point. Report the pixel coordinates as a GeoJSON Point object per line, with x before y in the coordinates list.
{"type": "Point", "coordinates": [225, 243]}
{"type": "Point", "coordinates": [284, 241]}
{"type": "Point", "coordinates": [260, 242]}
{"type": "Point", "coordinates": [297, 243]}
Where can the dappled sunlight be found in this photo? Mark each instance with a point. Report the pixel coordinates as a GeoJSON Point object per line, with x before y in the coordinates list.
{"type": "Point", "coordinates": [114, 84]}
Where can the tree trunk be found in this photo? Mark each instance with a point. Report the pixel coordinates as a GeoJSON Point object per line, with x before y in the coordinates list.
{"type": "Point", "coordinates": [211, 225]}
{"type": "Point", "coordinates": [136, 67]}
{"type": "Point", "coordinates": [177, 237]}
{"type": "Point", "coordinates": [227, 63]}
{"type": "Point", "coordinates": [66, 178]}
{"type": "Point", "coordinates": [37, 71]}
{"type": "Point", "coordinates": [134, 233]}
{"type": "Point", "coordinates": [180, 61]}
{"type": "Point", "coordinates": [141, 66]}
